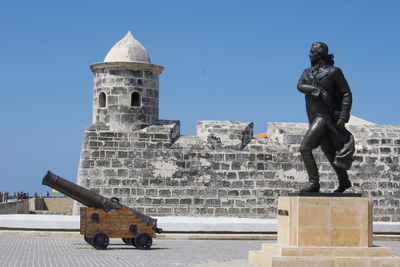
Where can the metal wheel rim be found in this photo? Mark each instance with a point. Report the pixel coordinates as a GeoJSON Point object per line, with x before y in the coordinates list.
{"type": "Point", "coordinates": [100, 241]}
{"type": "Point", "coordinates": [143, 241]}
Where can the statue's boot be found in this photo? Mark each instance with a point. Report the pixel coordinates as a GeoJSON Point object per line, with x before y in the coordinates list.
{"type": "Point", "coordinates": [312, 187]}
{"type": "Point", "coordinates": [312, 170]}
{"type": "Point", "coordinates": [344, 183]}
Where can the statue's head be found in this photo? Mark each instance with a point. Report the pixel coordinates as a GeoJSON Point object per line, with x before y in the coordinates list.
{"type": "Point", "coordinates": [319, 52]}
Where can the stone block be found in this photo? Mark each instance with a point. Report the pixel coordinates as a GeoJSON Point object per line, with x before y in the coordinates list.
{"type": "Point", "coordinates": [325, 221]}
{"type": "Point", "coordinates": [278, 250]}
{"type": "Point", "coordinates": [323, 231]}
{"type": "Point", "coordinates": [260, 259]}
{"type": "Point", "coordinates": [225, 133]}
{"type": "Point", "coordinates": [277, 256]}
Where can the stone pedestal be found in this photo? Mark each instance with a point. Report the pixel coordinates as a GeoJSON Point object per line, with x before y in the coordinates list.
{"type": "Point", "coordinates": [325, 221]}
{"type": "Point", "coordinates": [324, 231]}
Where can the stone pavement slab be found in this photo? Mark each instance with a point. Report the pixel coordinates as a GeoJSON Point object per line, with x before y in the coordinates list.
{"type": "Point", "coordinates": [44, 251]}
{"type": "Point", "coordinates": [395, 245]}
{"type": "Point", "coordinates": [55, 251]}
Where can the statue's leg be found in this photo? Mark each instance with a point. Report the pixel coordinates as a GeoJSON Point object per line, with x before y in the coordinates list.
{"type": "Point", "coordinates": [344, 183]}
{"type": "Point", "coordinates": [311, 140]}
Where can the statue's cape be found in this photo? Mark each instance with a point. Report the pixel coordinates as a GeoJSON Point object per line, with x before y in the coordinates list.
{"type": "Point", "coordinates": [344, 157]}
{"type": "Point", "coordinates": [343, 141]}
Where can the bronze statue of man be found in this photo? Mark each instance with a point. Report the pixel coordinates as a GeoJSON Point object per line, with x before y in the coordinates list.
{"type": "Point", "coordinates": [328, 103]}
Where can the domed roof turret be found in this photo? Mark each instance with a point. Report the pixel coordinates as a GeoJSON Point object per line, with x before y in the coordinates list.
{"type": "Point", "coordinates": [128, 49]}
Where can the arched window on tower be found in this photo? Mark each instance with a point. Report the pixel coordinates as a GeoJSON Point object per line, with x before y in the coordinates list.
{"type": "Point", "coordinates": [102, 100]}
{"type": "Point", "coordinates": [135, 100]}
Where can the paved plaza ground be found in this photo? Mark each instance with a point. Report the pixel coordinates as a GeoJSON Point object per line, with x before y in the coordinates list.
{"type": "Point", "coordinates": [57, 251]}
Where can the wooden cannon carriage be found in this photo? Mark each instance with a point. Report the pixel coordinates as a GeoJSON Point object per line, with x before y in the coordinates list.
{"type": "Point", "coordinates": [106, 218]}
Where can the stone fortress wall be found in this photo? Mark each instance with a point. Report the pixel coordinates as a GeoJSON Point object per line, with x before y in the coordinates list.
{"type": "Point", "coordinates": [129, 153]}
{"type": "Point", "coordinates": [223, 171]}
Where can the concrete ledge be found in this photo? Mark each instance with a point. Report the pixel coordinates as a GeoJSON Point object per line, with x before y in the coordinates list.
{"type": "Point", "coordinates": [170, 224]}
{"type": "Point", "coordinates": [34, 221]}
{"type": "Point", "coordinates": [386, 227]}
{"type": "Point", "coordinates": [30, 233]}
{"type": "Point", "coordinates": [167, 236]}
{"type": "Point", "coordinates": [216, 224]}
{"type": "Point", "coordinates": [172, 236]}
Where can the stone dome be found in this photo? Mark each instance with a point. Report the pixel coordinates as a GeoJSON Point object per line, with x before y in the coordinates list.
{"type": "Point", "coordinates": [128, 49]}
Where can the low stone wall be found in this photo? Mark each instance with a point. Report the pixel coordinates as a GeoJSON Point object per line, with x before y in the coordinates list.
{"type": "Point", "coordinates": [224, 172]}
{"type": "Point", "coordinates": [15, 207]}
{"type": "Point", "coordinates": [58, 205]}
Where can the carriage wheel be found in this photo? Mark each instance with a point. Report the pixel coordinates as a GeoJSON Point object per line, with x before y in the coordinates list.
{"type": "Point", "coordinates": [143, 241]}
{"type": "Point", "coordinates": [100, 241]}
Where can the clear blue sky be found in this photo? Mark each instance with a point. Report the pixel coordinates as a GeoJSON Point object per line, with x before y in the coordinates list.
{"type": "Point", "coordinates": [224, 60]}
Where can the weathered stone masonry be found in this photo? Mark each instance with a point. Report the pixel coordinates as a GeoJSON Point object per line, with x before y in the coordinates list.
{"type": "Point", "coordinates": [224, 172]}
{"type": "Point", "coordinates": [129, 153]}
{"type": "Point", "coordinates": [130, 93]}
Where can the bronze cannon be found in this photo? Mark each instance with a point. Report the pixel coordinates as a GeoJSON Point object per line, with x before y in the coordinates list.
{"type": "Point", "coordinates": [105, 218]}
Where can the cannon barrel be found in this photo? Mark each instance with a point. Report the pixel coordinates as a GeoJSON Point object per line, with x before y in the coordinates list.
{"type": "Point", "coordinates": [80, 194]}
{"type": "Point", "coordinates": [89, 198]}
